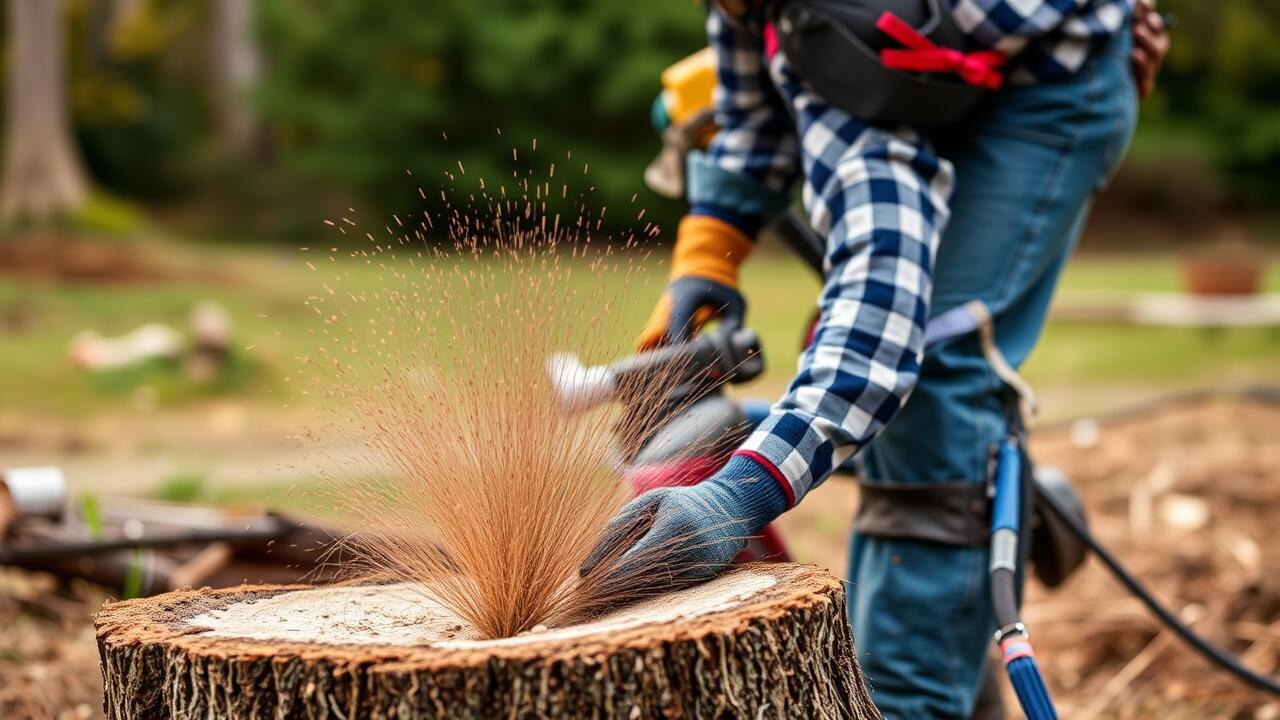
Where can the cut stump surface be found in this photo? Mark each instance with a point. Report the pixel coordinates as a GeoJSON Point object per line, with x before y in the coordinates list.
{"type": "Point", "coordinates": [761, 641]}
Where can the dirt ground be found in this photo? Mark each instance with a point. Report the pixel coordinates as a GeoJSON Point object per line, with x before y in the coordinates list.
{"type": "Point", "coordinates": [67, 255]}
{"type": "Point", "coordinates": [48, 656]}
{"type": "Point", "coordinates": [1188, 496]}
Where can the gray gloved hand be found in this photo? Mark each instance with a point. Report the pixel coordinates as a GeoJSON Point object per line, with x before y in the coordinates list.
{"type": "Point", "coordinates": [674, 537]}
{"type": "Point", "coordinates": [703, 284]}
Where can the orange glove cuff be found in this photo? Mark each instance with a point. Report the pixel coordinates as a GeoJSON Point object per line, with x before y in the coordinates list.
{"type": "Point", "coordinates": [709, 248]}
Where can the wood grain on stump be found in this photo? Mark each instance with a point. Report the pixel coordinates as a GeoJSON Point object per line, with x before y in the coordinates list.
{"type": "Point", "coordinates": [762, 641]}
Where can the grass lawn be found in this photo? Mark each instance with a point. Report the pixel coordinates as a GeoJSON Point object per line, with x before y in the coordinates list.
{"type": "Point", "coordinates": [1079, 355]}
{"type": "Point", "coordinates": [1072, 358]}
{"type": "Point", "coordinates": [264, 290]}
{"type": "Point", "coordinates": [1077, 367]}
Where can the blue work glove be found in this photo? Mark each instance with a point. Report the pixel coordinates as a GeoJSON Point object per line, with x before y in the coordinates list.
{"type": "Point", "coordinates": [674, 537]}
{"type": "Point", "coordinates": [695, 300]}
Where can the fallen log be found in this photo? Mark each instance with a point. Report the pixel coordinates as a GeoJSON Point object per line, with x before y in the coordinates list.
{"type": "Point", "coordinates": [762, 641]}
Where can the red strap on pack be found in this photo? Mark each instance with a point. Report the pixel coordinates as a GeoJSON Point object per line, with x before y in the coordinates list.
{"type": "Point", "coordinates": [770, 41]}
{"type": "Point", "coordinates": [976, 68]}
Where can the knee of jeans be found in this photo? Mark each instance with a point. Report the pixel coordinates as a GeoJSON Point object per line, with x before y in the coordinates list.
{"type": "Point", "coordinates": [922, 624]}
{"type": "Point", "coordinates": [944, 431]}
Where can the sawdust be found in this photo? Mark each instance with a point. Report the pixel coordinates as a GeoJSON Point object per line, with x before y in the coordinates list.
{"type": "Point", "coordinates": [402, 615]}
{"type": "Point", "coordinates": [495, 494]}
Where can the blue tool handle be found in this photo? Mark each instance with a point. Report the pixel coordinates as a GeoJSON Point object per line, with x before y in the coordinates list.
{"type": "Point", "coordinates": [1008, 502]}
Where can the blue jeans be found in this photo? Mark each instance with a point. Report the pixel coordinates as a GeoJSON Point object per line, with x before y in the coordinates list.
{"type": "Point", "coordinates": [1027, 165]}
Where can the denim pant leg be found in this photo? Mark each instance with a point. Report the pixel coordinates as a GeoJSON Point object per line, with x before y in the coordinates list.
{"type": "Point", "coordinates": [1027, 166]}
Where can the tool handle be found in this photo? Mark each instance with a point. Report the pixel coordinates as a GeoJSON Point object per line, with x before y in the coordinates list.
{"type": "Point", "coordinates": [723, 354]}
{"type": "Point", "coordinates": [1008, 501]}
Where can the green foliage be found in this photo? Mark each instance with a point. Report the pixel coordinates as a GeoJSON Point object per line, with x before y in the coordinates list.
{"type": "Point", "coordinates": [360, 91]}
{"type": "Point", "coordinates": [99, 214]}
{"type": "Point", "coordinates": [183, 486]}
{"type": "Point", "coordinates": [105, 214]}
{"type": "Point", "coordinates": [137, 115]}
{"type": "Point", "coordinates": [1222, 80]}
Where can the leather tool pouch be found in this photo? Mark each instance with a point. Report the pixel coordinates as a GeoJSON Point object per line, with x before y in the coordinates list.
{"type": "Point", "coordinates": [949, 513]}
{"type": "Point", "coordinates": [835, 46]}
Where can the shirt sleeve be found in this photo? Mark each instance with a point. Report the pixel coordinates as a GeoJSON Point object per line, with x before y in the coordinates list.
{"type": "Point", "coordinates": [752, 163]}
{"type": "Point", "coordinates": [1010, 25]}
{"type": "Point", "coordinates": [882, 201]}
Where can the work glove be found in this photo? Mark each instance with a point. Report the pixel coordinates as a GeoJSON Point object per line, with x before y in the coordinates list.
{"type": "Point", "coordinates": [673, 537]}
{"type": "Point", "coordinates": [703, 283]}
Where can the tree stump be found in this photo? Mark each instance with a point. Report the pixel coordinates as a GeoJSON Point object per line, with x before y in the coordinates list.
{"type": "Point", "coordinates": [761, 641]}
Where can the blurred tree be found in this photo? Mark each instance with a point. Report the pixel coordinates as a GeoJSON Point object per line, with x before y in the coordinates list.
{"type": "Point", "coordinates": [237, 66]}
{"type": "Point", "coordinates": [361, 90]}
{"type": "Point", "coordinates": [1218, 93]}
{"type": "Point", "coordinates": [43, 175]}
{"type": "Point", "coordinates": [140, 93]}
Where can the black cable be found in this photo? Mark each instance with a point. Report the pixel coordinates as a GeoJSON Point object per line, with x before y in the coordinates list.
{"type": "Point", "coordinates": [1208, 650]}
{"type": "Point", "coordinates": [1004, 597]}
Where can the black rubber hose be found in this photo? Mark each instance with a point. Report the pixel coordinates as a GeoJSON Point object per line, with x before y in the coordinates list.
{"type": "Point", "coordinates": [1004, 597]}
{"type": "Point", "coordinates": [1208, 650]}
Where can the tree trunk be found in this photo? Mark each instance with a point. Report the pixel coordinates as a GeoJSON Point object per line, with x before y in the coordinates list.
{"type": "Point", "coordinates": [237, 67]}
{"type": "Point", "coordinates": [43, 175]}
{"type": "Point", "coordinates": [762, 641]}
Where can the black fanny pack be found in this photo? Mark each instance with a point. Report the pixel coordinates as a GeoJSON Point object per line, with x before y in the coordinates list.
{"type": "Point", "coordinates": [836, 46]}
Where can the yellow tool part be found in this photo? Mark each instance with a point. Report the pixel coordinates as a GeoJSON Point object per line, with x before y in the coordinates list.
{"type": "Point", "coordinates": [688, 85]}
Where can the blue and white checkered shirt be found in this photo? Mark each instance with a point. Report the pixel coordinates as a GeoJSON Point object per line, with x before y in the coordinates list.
{"type": "Point", "coordinates": [879, 196]}
{"type": "Point", "coordinates": [1048, 39]}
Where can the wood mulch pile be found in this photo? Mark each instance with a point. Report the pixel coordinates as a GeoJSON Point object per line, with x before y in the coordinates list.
{"type": "Point", "coordinates": [1188, 496]}
{"type": "Point", "coordinates": [48, 655]}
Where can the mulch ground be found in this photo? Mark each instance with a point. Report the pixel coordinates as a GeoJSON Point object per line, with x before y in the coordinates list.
{"type": "Point", "coordinates": [1188, 496]}
{"type": "Point", "coordinates": [70, 256]}
{"type": "Point", "coordinates": [66, 255]}
{"type": "Point", "coordinates": [48, 654]}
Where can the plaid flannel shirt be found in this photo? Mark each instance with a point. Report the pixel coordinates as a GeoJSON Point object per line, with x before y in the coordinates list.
{"type": "Point", "coordinates": [880, 197]}
{"type": "Point", "coordinates": [1049, 38]}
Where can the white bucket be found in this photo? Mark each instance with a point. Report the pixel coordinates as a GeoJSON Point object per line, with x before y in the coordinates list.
{"type": "Point", "coordinates": [39, 491]}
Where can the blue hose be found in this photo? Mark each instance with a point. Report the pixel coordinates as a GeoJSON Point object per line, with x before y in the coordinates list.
{"type": "Point", "coordinates": [1028, 683]}
{"type": "Point", "coordinates": [1006, 516]}
{"type": "Point", "coordinates": [1007, 508]}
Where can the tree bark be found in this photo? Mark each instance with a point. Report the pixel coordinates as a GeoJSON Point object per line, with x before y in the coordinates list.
{"type": "Point", "coordinates": [237, 67]}
{"type": "Point", "coordinates": [784, 651]}
{"type": "Point", "coordinates": [43, 174]}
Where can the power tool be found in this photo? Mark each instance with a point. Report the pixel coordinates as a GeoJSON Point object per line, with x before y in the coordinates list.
{"type": "Point", "coordinates": [675, 395]}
